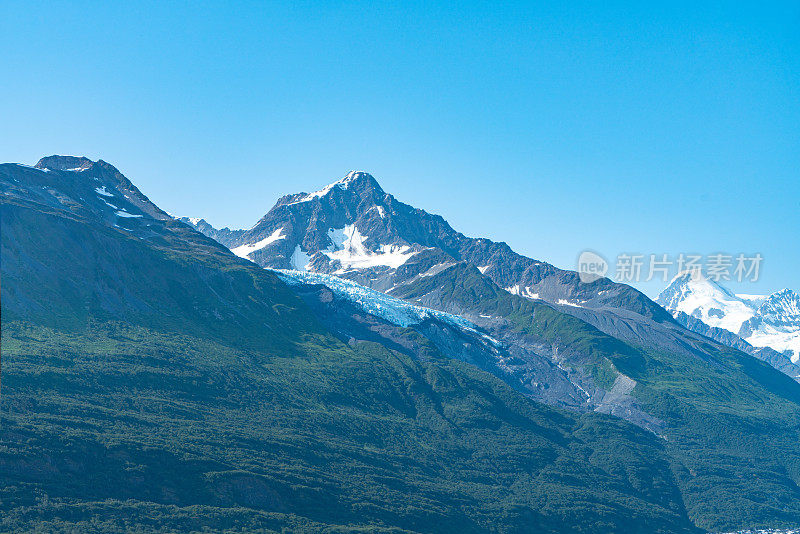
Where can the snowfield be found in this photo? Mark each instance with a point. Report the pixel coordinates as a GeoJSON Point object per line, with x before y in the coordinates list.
{"type": "Point", "coordinates": [349, 249]}
{"type": "Point", "coordinates": [244, 251]}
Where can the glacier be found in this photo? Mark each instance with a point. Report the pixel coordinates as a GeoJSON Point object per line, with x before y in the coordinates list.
{"type": "Point", "coordinates": [391, 309]}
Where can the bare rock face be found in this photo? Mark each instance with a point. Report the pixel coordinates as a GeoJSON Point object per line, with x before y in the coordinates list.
{"type": "Point", "coordinates": [64, 163]}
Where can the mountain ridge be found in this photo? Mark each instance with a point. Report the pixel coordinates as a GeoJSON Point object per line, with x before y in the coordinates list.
{"type": "Point", "coordinates": [382, 221]}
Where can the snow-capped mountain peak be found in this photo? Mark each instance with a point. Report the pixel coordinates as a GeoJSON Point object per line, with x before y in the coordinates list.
{"type": "Point", "coordinates": [354, 176]}
{"type": "Point", "coordinates": [353, 179]}
{"type": "Point", "coordinates": [694, 294]}
{"type": "Point", "coordinates": [763, 321]}
{"type": "Point", "coordinates": [781, 305]}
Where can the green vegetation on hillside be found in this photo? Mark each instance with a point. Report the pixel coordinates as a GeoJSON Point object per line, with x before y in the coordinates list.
{"type": "Point", "coordinates": [122, 427]}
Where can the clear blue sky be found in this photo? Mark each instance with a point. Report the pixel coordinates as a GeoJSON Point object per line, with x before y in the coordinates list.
{"type": "Point", "coordinates": [616, 127]}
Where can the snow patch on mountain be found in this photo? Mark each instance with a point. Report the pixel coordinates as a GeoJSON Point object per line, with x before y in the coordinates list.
{"type": "Point", "coordinates": [779, 340]}
{"type": "Point", "coordinates": [523, 292]}
{"type": "Point", "coordinates": [436, 269]}
{"type": "Point", "coordinates": [349, 249]}
{"type": "Point", "coordinates": [752, 300]}
{"type": "Point", "coordinates": [103, 191]}
{"type": "Point", "coordinates": [123, 213]}
{"type": "Point", "coordinates": [244, 251]}
{"type": "Point", "coordinates": [781, 306]}
{"type": "Point", "coordinates": [381, 211]}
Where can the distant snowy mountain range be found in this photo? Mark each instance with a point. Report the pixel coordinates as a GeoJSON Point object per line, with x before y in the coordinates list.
{"type": "Point", "coordinates": [761, 320]}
